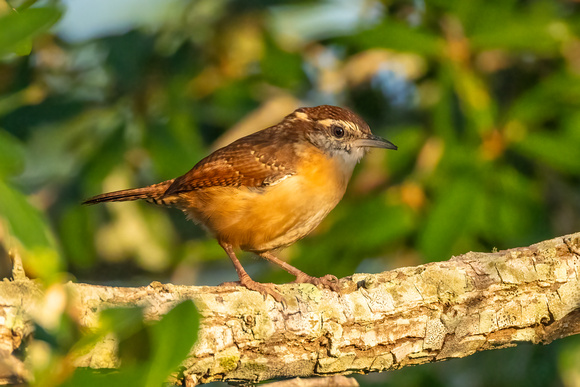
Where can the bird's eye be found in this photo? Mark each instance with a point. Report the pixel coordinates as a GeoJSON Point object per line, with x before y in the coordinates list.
{"type": "Point", "coordinates": [337, 131]}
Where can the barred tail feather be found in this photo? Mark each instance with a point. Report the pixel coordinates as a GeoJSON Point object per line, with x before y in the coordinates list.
{"type": "Point", "coordinates": [153, 193]}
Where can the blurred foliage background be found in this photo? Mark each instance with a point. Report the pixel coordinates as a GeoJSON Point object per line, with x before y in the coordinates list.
{"type": "Point", "coordinates": [482, 98]}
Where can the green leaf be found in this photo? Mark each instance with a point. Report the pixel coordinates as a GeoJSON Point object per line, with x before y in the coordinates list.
{"type": "Point", "coordinates": [398, 36]}
{"type": "Point", "coordinates": [554, 149]}
{"type": "Point", "coordinates": [172, 339]}
{"type": "Point", "coordinates": [87, 377]}
{"type": "Point", "coordinates": [448, 218]}
{"type": "Point", "coordinates": [148, 353]}
{"type": "Point", "coordinates": [11, 154]}
{"type": "Point", "coordinates": [123, 321]}
{"type": "Point", "coordinates": [478, 106]}
{"type": "Point", "coordinates": [129, 327]}
{"type": "Point", "coordinates": [280, 67]}
{"type": "Point", "coordinates": [75, 229]}
{"type": "Point", "coordinates": [168, 153]}
{"type": "Point", "coordinates": [554, 96]}
{"type": "Point", "coordinates": [360, 230]}
{"type": "Point", "coordinates": [28, 225]}
{"type": "Point", "coordinates": [508, 211]}
{"type": "Point", "coordinates": [18, 29]}
{"type": "Point", "coordinates": [530, 27]}
{"type": "Point", "coordinates": [409, 140]}
{"type": "Point", "coordinates": [25, 221]}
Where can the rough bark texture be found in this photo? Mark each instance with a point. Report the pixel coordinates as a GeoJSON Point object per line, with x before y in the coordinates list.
{"type": "Point", "coordinates": [380, 322]}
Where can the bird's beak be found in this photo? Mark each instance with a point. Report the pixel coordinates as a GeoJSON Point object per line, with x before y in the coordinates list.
{"type": "Point", "coordinates": [375, 142]}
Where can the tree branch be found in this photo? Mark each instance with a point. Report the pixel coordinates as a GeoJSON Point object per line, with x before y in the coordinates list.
{"type": "Point", "coordinates": [380, 322]}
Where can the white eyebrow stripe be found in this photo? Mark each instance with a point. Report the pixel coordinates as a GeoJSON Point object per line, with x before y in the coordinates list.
{"type": "Point", "coordinates": [329, 122]}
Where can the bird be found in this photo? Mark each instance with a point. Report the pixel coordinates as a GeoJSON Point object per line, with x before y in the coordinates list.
{"type": "Point", "coordinates": [267, 190]}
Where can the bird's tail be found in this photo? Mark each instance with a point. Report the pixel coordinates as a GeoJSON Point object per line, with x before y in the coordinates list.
{"type": "Point", "coordinates": [153, 194]}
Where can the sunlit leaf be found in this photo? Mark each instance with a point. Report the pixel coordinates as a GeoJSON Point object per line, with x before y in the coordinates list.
{"type": "Point", "coordinates": [17, 29]}
{"type": "Point", "coordinates": [475, 99]}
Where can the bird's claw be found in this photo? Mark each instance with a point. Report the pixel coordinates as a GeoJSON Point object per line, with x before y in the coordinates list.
{"type": "Point", "coordinates": [328, 281]}
{"type": "Point", "coordinates": [265, 289]}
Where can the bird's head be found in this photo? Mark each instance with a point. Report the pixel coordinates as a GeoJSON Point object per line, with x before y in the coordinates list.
{"type": "Point", "coordinates": [338, 132]}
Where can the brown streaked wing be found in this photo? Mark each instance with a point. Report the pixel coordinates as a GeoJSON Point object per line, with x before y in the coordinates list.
{"type": "Point", "coordinates": [253, 161]}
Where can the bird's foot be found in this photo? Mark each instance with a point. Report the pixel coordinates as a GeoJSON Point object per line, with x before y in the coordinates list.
{"type": "Point", "coordinates": [328, 281]}
{"type": "Point", "coordinates": [264, 289]}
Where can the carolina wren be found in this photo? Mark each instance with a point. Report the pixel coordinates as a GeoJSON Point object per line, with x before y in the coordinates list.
{"type": "Point", "coordinates": [267, 190]}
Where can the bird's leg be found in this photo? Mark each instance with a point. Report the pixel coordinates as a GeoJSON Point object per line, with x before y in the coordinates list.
{"type": "Point", "coordinates": [245, 280]}
{"type": "Point", "coordinates": [328, 281]}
